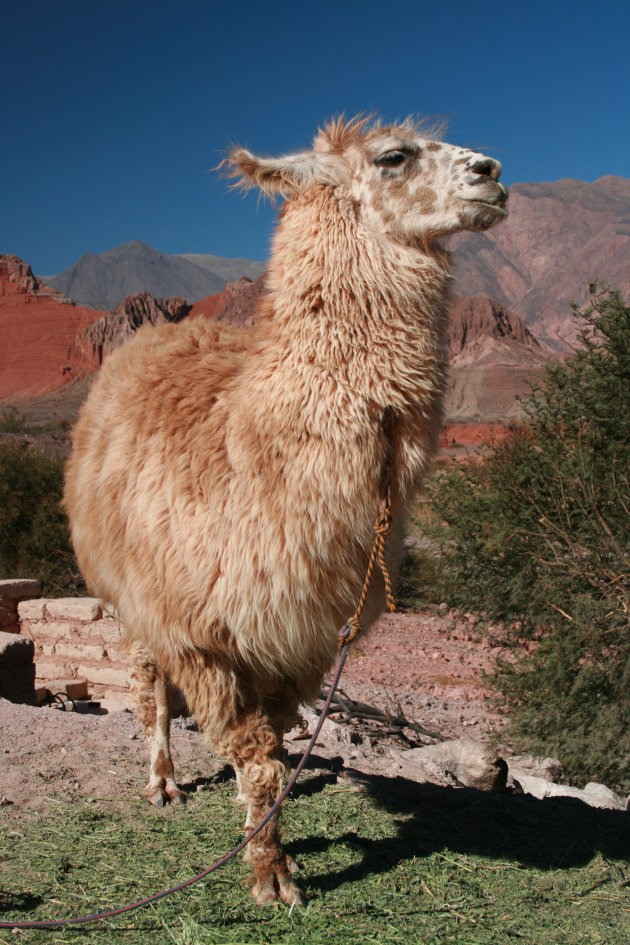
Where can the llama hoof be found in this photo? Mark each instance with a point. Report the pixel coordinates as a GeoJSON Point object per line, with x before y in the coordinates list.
{"type": "Point", "coordinates": [290, 893]}
{"type": "Point", "coordinates": [266, 892]}
{"type": "Point", "coordinates": [176, 795]}
{"type": "Point", "coordinates": [160, 795]}
{"type": "Point", "coordinates": [291, 864]}
{"type": "Point", "coordinates": [278, 885]}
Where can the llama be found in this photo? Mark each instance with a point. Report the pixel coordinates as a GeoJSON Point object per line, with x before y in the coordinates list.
{"type": "Point", "coordinates": [224, 482]}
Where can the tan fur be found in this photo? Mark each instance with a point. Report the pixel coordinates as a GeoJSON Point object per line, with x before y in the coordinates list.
{"type": "Point", "coordinates": [224, 482]}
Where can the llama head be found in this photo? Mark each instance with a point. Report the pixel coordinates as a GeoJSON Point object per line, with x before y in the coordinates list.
{"type": "Point", "coordinates": [407, 186]}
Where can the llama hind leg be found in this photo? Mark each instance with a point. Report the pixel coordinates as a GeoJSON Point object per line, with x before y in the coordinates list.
{"type": "Point", "coordinates": [282, 707]}
{"type": "Point", "coordinates": [151, 692]}
{"type": "Point", "coordinates": [237, 728]}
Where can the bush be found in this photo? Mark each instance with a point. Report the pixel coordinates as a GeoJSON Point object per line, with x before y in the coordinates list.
{"type": "Point", "coordinates": [34, 537]}
{"type": "Point", "coordinates": [11, 421]}
{"type": "Point", "coordinates": [539, 534]}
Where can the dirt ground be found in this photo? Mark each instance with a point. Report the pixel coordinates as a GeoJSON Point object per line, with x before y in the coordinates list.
{"type": "Point", "coordinates": [427, 667]}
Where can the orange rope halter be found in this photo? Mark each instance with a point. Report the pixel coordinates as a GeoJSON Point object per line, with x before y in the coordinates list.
{"type": "Point", "coordinates": [382, 528]}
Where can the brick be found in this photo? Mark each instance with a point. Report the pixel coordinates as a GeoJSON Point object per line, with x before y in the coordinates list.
{"type": "Point", "coordinates": [47, 669]}
{"type": "Point", "coordinates": [75, 688]}
{"type": "Point", "coordinates": [45, 649]}
{"type": "Point", "coordinates": [15, 648]}
{"type": "Point", "coordinates": [79, 651]}
{"type": "Point", "coordinates": [74, 608]}
{"type": "Point", "coordinates": [105, 675]}
{"type": "Point", "coordinates": [109, 611]}
{"type": "Point", "coordinates": [31, 609]}
{"type": "Point", "coordinates": [19, 589]}
{"type": "Point", "coordinates": [107, 631]}
{"type": "Point", "coordinates": [51, 631]}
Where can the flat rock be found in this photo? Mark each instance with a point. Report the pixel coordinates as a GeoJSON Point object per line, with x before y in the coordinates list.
{"type": "Point", "coordinates": [595, 795]}
{"type": "Point", "coordinates": [467, 761]}
{"type": "Point", "coordinates": [74, 688]}
{"type": "Point", "coordinates": [549, 768]}
{"type": "Point", "coordinates": [74, 608]}
{"type": "Point", "coordinates": [31, 609]}
{"type": "Point", "coordinates": [19, 589]}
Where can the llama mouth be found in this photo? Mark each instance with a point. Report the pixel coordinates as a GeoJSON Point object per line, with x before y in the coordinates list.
{"type": "Point", "coordinates": [496, 200]}
{"type": "Point", "coordinates": [498, 208]}
{"type": "Point", "coordinates": [497, 204]}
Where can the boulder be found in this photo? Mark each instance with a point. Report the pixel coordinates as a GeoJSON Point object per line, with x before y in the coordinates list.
{"type": "Point", "coordinates": [523, 765]}
{"type": "Point", "coordinates": [465, 760]}
{"type": "Point", "coordinates": [595, 795]}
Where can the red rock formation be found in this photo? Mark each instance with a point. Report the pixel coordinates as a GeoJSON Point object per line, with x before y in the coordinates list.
{"type": "Point", "coordinates": [236, 304]}
{"type": "Point", "coordinates": [45, 342]}
{"type": "Point", "coordinates": [479, 324]}
{"type": "Point", "coordinates": [37, 325]}
{"type": "Point", "coordinates": [465, 435]}
{"type": "Point", "coordinates": [108, 332]}
{"type": "Point", "coordinates": [493, 359]}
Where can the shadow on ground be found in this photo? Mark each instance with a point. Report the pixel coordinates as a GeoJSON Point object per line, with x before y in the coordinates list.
{"type": "Point", "coordinates": [556, 833]}
{"type": "Point", "coordinates": [18, 901]}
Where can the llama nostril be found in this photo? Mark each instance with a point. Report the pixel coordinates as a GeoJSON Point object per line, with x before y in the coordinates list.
{"type": "Point", "coordinates": [486, 167]}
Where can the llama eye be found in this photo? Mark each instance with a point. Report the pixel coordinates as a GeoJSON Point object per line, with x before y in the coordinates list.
{"type": "Point", "coordinates": [391, 159]}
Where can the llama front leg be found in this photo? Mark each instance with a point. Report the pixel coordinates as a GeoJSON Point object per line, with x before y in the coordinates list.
{"type": "Point", "coordinates": [239, 730]}
{"type": "Point", "coordinates": [151, 693]}
{"type": "Point", "coordinates": [262, 782]}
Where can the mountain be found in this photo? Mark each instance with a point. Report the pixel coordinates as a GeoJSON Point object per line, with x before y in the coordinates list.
{"type": "Point", "coordinates": [493, 358]}
{"type": "Point", "coordinates": [103, 280]}
{"type": "Point", "coordinates": [91, 345]}
{"type": "Point", "coordinates": [37, 325]}
{"type": "Point", "coordinates": [557, 238]}
{"type": "Point", "coordinates": [229, 269]}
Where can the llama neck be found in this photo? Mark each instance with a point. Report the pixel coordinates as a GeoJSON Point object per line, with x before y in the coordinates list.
{"type": "Point", "coordinates": [349, 304]}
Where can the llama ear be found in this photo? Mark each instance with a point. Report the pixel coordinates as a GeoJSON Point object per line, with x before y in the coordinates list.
{"type": "Point", "coordinates": [286, 175]}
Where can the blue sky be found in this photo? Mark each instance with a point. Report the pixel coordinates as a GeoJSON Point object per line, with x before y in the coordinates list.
{"type": "Point", "coordinates": [113, 113]}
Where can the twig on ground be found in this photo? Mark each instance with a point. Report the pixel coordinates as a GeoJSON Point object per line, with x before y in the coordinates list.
{"type": "Point", "coordinates": [345, 709]}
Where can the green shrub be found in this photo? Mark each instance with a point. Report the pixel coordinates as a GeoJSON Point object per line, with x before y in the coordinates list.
{"type": "Point", "coordinates": [12, 421]}
{"type": "Point", "coordinates": [34, 538]}
{"type": "Point", "coordinates": [539, 536]}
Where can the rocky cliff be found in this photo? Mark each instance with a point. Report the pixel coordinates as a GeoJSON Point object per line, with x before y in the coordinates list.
{"type": "Point", "coordinates": [90, 347]}
{"type": "Point", "coordinates": [237, 296]}
{"type": "Point", "coordinates": [557, 238]}
{"type": "Point", "coordinates": [493, 359]}
{"type": "Point", "coordinates": [37, 326]}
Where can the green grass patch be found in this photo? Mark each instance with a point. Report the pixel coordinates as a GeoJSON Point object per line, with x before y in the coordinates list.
{"type": "Point", "coordinates": [401, 863]}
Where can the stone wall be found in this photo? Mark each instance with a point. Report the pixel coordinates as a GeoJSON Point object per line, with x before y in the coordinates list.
{"type": "Point", "coordinates": [75, 639]}
{"type": "Point", "coordinates": [11, 593]}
